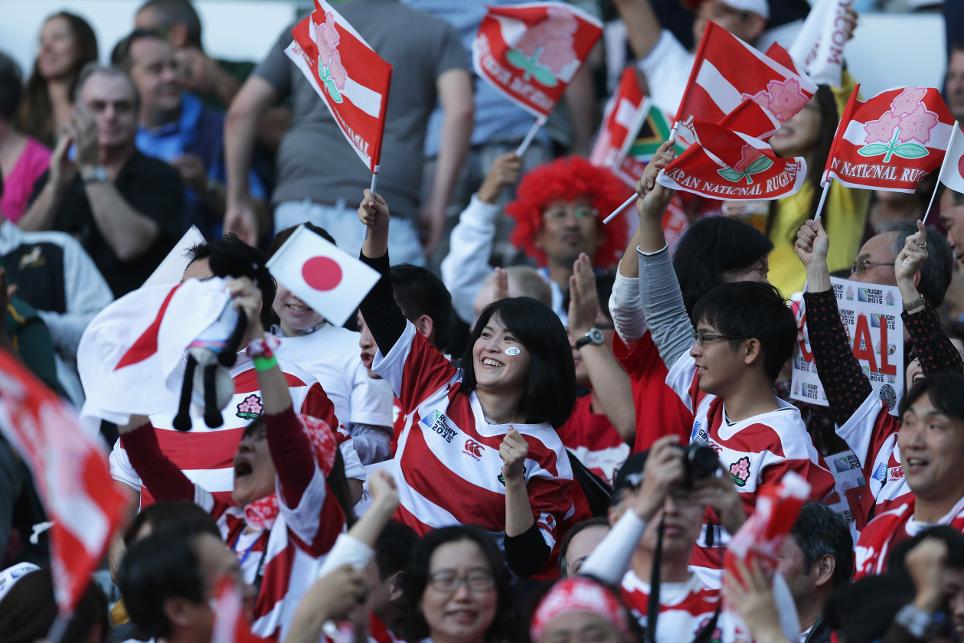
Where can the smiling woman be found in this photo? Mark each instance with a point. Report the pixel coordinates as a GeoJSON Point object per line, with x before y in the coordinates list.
{"type": "Point", "coordinates": [479, 445]}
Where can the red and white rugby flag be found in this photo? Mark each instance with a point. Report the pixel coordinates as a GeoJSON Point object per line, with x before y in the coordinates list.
{"type": "Point", "coordinates": [329, 280]}
{"type": "Point", "coordinates": [620, 120]}
{"type": "Point", "coordinates": [730, 166]}
{"type": "Point", "coordinates": [531, 52]}
{"type": "Point", "coordinates": [351, 79]}
{"type": "Point", "coordinates": [727, 71]}
{"type": "Point", "coordinates": [70, 472]}
{"type": "Point", "coordinates": [890, 141]}
{"type": "Point", "coordinates": [230, 625]}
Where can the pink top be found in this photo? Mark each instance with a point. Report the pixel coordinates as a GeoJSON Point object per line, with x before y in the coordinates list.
{"type": "Point", "coordinates": [18, 186]}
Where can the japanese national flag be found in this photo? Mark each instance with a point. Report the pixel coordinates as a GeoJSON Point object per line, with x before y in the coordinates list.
{"type": "Point", "coordinates": [952, 170]}
{"type": "Point", "coordinates": [172, 268]}
{"type": "Point", "coordinates": [351, 79]}
{"type": "Point", "coordinates": [727, 71]}
{"type": "Point", "coordinates": [131, 355]}
{"type": "Point", "coordinates": [531, 52]}
{"type": "Point", "coordinates": [890, 141]}
{"type": "Point", "coordinates": [621, 116]}
{"type": "Point", "coordinates": [329, 280]}
{"type": "Point", "coordinates": [70, 472]}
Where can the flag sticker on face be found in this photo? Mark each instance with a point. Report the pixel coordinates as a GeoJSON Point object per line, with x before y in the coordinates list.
{"type": "Point", "coordinates": [327, 279]}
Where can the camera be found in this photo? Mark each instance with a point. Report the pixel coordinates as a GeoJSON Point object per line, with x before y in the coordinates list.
{"type": "Point", "coordinates": [699, 463]}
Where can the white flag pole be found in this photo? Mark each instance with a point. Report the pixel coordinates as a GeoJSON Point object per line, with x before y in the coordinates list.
{"type": "Point", "coordinates": [823, 199]}
{"type": "Point", "coordinates": [374, 180]}
{"type": "Point", "coordinates": [628, 202]}
{"type": "Point", "coordinates": [531, 134]}
{"type": "Point", "coordinates": [937, 184]}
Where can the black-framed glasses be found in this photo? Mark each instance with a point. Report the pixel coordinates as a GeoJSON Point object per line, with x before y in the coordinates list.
{"type": "Point", "coordinates": [476, 581]}
{"type": "Point", "coordinates": [702, 338]}
{"type": "Point", "coordinates": [863, 264]}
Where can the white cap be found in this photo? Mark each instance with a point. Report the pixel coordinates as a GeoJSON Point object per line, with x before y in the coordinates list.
{"type": "Point", "coordinates": [10, 576]}
{"type": "Point", "coordinates": [759, 7]}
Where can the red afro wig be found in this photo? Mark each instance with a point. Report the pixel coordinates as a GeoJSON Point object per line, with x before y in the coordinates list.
{"type": "Point", "coordinates": [568, 179]}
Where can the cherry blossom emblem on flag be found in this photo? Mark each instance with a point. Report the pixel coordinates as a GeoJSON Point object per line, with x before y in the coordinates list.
{"type": "Point", "coordinates": [531, 52]}
{"type": "Point", "coordinates": [890, 141]}
{"type": "Point", "coordinates": [324, 277]}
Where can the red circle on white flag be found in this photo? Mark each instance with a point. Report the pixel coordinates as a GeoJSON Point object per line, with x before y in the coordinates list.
{"type": "Point", "coordinates": [960, 166]}
{"type": "Point", "coordinates": [321, 273]}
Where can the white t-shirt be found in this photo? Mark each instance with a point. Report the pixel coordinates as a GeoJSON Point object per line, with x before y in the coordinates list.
{"type": "Point", "coordinates": [667, 68]}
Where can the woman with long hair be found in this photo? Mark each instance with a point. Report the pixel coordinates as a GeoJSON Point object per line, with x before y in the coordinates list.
{"type": "Point", "coordinates": [23, 159]}
{"type": "Point", "coordinates": [67, 44]}
{"type": "Point", "coordinates": [479, 444]}
{"type": "Point", "coordinates": [809, 134]}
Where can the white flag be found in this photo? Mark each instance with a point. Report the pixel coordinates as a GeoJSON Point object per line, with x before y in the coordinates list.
{"type": "Point", "coordinates": [952, 170]}
{"type": "Point", "coordinates": [172, 268]}
{"type": "Point", "coordinates": [329, 280]}
{"type": "Point", "coordinates": [818, 48]}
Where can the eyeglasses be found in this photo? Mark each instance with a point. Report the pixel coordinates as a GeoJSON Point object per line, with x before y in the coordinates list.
{"type": "Point", "coordinates": [702, 338]}
{"type": "Point", "coordinates": [580, 212]}
{"type": "Point", "coordinates": [449, 582]}
{"type": "Point", "coordinates": [864, 264]}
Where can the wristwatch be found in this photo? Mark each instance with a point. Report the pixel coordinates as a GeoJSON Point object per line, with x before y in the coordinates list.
{"type": "Point", "coordinates": [593, 336]}
{"type": "Point", "coordinates": [94, 174]}
{"type": "Point", "coordinates": [920, 624]}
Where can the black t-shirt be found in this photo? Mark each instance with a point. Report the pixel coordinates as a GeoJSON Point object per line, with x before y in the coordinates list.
{"type": "Point", "coordinates": [151, 187]}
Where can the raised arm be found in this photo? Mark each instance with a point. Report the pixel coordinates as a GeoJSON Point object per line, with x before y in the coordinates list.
{"type": "Point", "coordinates": [159, 474]}
{"type": "Point", "coordinates": [843, 381]}
{"type": "Point", "coordinates": [642, 26]}
{"type": "Point", "coordinates": [40, 215]}
{"type": "Point", "coordinates": [382, 315]}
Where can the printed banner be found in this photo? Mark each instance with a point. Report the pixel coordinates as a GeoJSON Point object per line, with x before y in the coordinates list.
{"type": "Point", "coordinates": [531, 52]}
{"type": "Point", "coordinates": [351, 79]}
{"type": "Point", "coordinates": [890, 141]}
{"type": "Point", "coordinates": [819, 45]}
{"type": "Point", "coordinates": [871, 316]}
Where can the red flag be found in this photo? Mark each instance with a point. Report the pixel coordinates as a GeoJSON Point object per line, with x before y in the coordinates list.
{"type": "Point", "coordinates": [752, 119]}
{"type": "Point", "coordinates": [531, 52]}
{"type": "Point", "coordinates": [70, 473]}
{"type": "Point", "coordinates": [621, 116]}
{"type": "Point", "coordinates": [731, 166]}
{"type": "Point", "coordinates": [890, 141]}
{"type": "Point", "coordinates": [351, 79]}
{"type": "Point", "coordinates": [230, 625]}
{"type": "Point", "coordinates": [727, 71]}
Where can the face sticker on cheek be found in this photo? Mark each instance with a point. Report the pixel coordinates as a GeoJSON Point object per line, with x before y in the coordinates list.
{"type": "Point", "coordinates": [512, 351]}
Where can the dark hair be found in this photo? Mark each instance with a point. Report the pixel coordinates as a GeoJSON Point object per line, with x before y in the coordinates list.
{"type": "Point", "coordinates": [712, 246]}
{"type": "Point", "coordinates": [551, 390]}
{"type": "Point", "coordinates": [393, 548]}
{"type": "Point", "coordinates": [820, 531]}
{"type": "Point", "coordinates": [163, 565]}
{"type": "Point", "coordinates": [283, 236]}
{"type": "Point", "coordinates": [411, 622]}
{"type": "Point", "coordinates": [598, 521]}
{"type": "Point", "coordinates": [35, 116]}
{"type": "Point", "coordinates": [420, 292]}
{"type": "Point", "coordinates": [935, 274]}
{"type": "Point", "coordinates": [11, 87]}
{"type": "Point", "coordinates": [177, 12]}
{"type": "Point", "coordinates": [29, 609]}
{"type": "Point", "coordinates": [750, 309]}
{"type": "Point", "coordinates": [183, 515]}
{"type": "Point", "coordinates": [944, 391]}
{"type": "Point", "coordinates": [231, 257]}
{"type": "Point", "coordinates": [120, 55]}
{"type": "Point", "coordinates": [951, 537]}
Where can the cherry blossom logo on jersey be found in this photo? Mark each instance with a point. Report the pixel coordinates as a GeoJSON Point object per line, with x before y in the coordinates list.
{"type": "Point", "coordinates": [547, 48]}
{"type": "Point", "coordinates": [783, 98]}
{"type": "Point", "coordinates": [751, 162]}
{"type": "Point", "coordinates": [740, 471]}
{"type": "Point", "coordinates": [330, 70]}
{"type": "Point", "coordinates": [894, 133]}
{"type": "Point", "coordinates": [250, 407]}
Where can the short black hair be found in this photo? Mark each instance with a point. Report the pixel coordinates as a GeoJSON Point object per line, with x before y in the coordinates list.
{"type": "Point", "coordinates": [582, 525]}
{"type": "Point", "coordinates": [411, 622]}
{"type": "Point", "coordinates": [231, 257]}
{"type": "Point", "coordinates": [751, 309]}
{"type": "Point", "coordinates": [11, 87]}
{"type": "Point", "coordinates": [283, 236]}
{"type": "Point", "coordinates": [160, 566]}
{"type": "Point", "coordinates": [182, 515]}
{"type": "Point", "coordinates": [120, 55]}
{"type": "Point", "coordinates": [177, 12]}
{"type": "Point", "coordinates": [951, 537]}
{"type": "Point", "coordinates": [420, 292]}
{"type": "Point", "coordinates": [393, 548]}
{"type": "Point", "coordinates": [29, 610]}
{"type": "Point", "coordinates": [712, 246]}
{"type": "Point", "coordinates": [935, 274]}
{"type": "Point", "coordinates": [944, 391]}
{"type": "Point", "coordinates": [551, 390]}
{"type": "Point", "coordinates": [820, 531]}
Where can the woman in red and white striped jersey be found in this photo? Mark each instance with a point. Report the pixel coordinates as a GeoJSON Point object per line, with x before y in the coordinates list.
{"type": "Point", "coordinates": [481, 446]}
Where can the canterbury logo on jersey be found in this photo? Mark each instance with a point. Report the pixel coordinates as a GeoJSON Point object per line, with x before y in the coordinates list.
{"type": "Point", "coordinates": [473, 448]}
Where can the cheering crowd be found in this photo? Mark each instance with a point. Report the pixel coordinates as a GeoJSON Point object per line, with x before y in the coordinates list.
{"type": "Point", "coordinates": [534, 425]}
